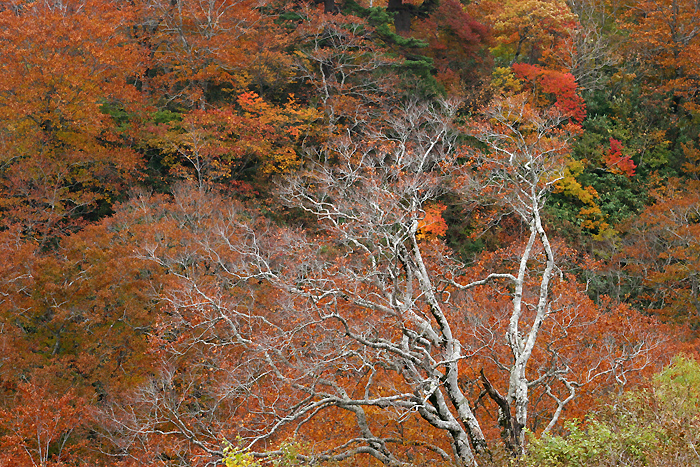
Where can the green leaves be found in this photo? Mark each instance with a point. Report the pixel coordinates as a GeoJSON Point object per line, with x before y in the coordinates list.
{"type": "Point", "coordinates": [645, 426]}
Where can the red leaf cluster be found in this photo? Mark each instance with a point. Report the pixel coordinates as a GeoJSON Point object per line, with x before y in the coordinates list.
{"type": "Point", "coordinates": [617, 162]}
{"type": "Point", "coordinates": [561, 86]}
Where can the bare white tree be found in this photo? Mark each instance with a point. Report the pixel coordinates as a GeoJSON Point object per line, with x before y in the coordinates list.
{"type": "Point", "coordinates": [589, 49]}
{"type": "Point", "coordinates": [362, 314]}
{"type": "Point", "coordinates": [525, 156]}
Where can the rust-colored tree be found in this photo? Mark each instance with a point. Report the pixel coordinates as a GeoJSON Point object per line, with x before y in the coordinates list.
{"type": "Point", "coordinates": [73, 335]}
{"type": "Point", "coordinates": [660, 256]}
{"type": "Point", "coordinates": [39, 429]}
{"type": "Point", "coordinates": [665, 41]}
{"type": "Point", "coordinates": [64, 65]}
{"type": "Point", "coordinates": [199, 49]}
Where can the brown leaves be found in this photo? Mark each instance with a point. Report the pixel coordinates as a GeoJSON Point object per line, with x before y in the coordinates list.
{"type": "Point", "coordinates": [662, 255]}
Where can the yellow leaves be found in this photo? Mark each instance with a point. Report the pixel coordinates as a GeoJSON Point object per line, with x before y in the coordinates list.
{"type": "Point", "coordinates": [591, 219]}
{"type": "Point", "coordinates": [238, 457]}
{"type": "Point", "coordinates": [571, 187]}
{"type": "Point", "coordinates": [281, 161]}
{"type": "Point", "coordinates": [622, 78]}
{"type": "Point", "coordinates": [590, 215]}
{"type": "Point", "coordinates": [503, 80]}
{"type": "Point", "coordinates": [527, 28]}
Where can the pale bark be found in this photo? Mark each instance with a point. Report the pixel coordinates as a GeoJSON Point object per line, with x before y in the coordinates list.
{"type": "Point", "coordinates": [358, 314]}
{"type": "Point", "coordinates": [523, 165]}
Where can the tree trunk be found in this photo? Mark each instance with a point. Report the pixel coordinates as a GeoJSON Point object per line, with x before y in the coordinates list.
{"type": "Point", "coordinates": [403, 15]}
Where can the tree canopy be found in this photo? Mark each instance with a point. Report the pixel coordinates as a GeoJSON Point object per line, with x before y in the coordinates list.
{"type": "Point", "coordinates": [273, 232]}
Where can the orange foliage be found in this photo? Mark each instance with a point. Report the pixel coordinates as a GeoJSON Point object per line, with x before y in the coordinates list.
{"type": "Point", "coordinates": [664, 38]}
{"type": "Point", "coordinates": [585, 351]}
{"type": "Point", "coordinates": [198, 47]}
{"type": "Point", "coordinates": [432, 225]}
{"type": "Point", "coordinates": [191, 319]}
{"type": "Point", "coordinates": [529, 31]}
{"type": "Point", "coordinates": [211, 146]}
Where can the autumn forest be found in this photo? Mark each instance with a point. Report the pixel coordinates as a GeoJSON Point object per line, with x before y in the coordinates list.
{"type": "Point", "coordinates": [250, 233]}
